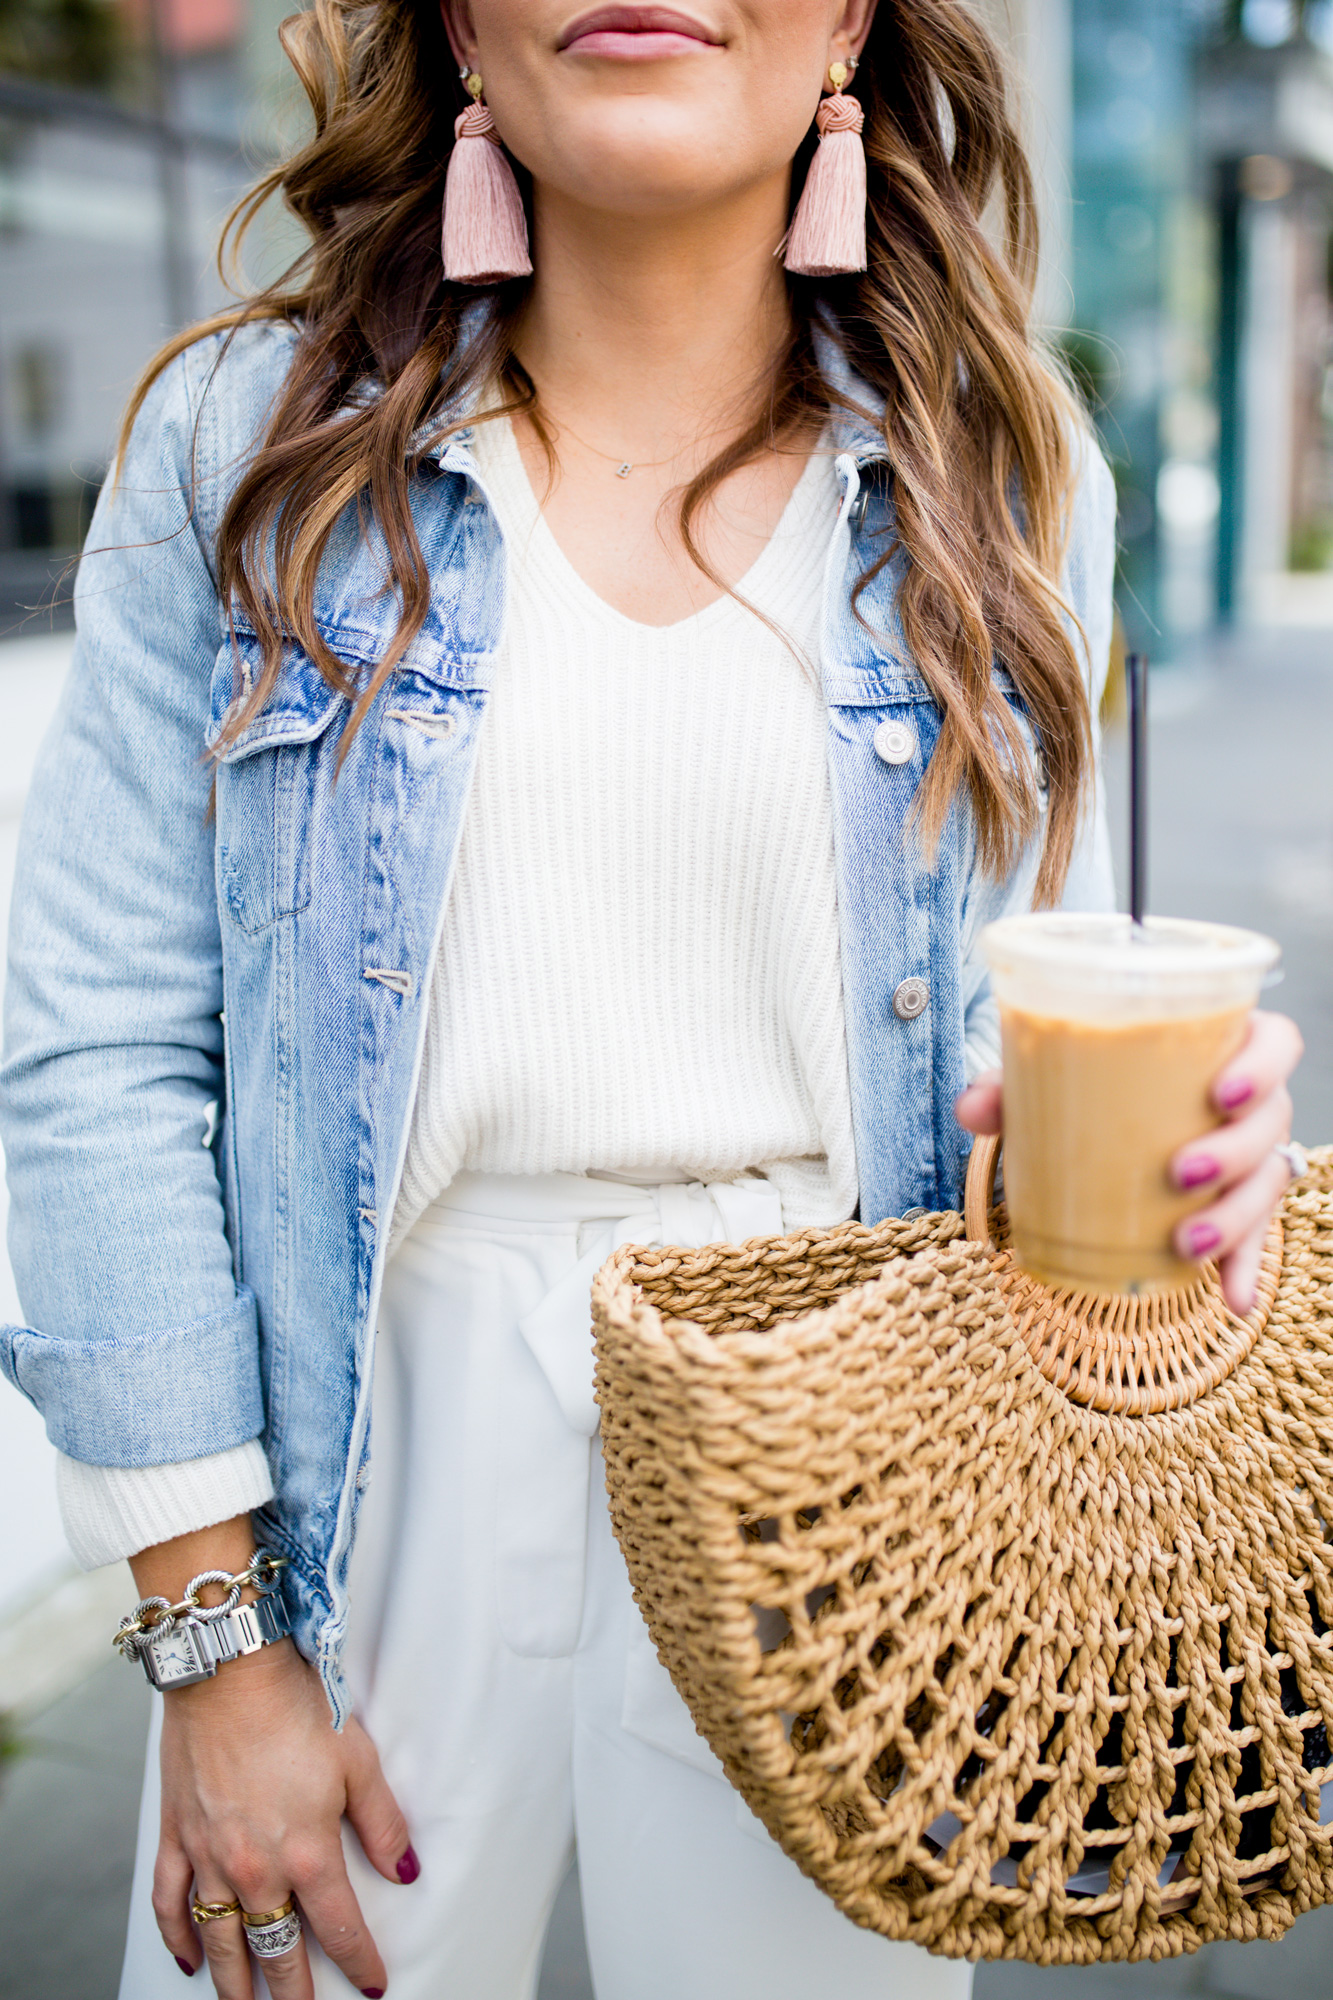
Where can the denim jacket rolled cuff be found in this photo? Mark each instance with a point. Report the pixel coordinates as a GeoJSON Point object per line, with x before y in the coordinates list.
{"type": "Point", "coordinates": [119, 1402]}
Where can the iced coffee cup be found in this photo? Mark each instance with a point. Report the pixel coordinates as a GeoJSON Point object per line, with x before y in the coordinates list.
{"type": "Point", "coordinates": [1112, 1040]}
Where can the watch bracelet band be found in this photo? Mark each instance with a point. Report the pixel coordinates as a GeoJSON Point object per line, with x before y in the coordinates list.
{"type": "Point", "coordinates": [215, 1641]}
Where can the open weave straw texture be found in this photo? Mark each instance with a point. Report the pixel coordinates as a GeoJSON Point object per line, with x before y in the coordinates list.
{"type": "Point", "coordinates": [1015, 1632]}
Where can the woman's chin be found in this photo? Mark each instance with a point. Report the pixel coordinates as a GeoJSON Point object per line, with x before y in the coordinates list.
{"type": "Point", "coordinates": [621, 202]}
{"type": "Point", "coordinates": [654, 167]}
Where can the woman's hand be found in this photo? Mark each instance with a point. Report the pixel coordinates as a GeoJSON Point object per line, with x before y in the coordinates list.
{"type": "Point", "coordinates": [255, 1784]}
{"type": "Point", "coordinates": [1237, 1159]}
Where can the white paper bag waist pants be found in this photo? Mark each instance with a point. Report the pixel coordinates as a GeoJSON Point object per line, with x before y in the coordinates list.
{"type": "Point", "coordinates": [503, 1670]}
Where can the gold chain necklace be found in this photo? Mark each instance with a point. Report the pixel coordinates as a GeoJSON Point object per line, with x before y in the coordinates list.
{"type": "Point", "coordinates": [624, 466]}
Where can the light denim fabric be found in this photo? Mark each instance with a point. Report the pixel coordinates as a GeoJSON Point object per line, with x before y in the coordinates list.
{"type": "Point", "coordinates": [195, 1281]}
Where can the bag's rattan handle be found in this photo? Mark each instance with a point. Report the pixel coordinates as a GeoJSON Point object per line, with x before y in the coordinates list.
{"type": "Point", "coordinates": [979, 1192]}
{"type": "Point", "coordinates": [1127, 1354]}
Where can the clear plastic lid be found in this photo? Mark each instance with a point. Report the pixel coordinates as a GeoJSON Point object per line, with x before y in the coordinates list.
{"type": "Point", "coordinates": [1103, 967]}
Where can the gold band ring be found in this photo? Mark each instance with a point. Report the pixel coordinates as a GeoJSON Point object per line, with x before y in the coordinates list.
{"type": "Point", "coordinates": [255, 1920]}
{"type": "Point", "coordinates": [211, 1913]}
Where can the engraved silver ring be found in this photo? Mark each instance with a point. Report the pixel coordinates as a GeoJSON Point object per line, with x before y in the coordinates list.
{"type": "Point", "coordinates": [276, 1938]}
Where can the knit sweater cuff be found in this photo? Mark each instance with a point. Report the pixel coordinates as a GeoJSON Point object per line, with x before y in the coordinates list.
{"type": "Point", "coordinates": [112, 1511]}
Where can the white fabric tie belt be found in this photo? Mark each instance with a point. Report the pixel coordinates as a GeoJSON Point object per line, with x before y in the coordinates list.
{"type": "Point", "coordinates": [559, 1332]}
{"type": "Point", "coordinates": [608, 1214]}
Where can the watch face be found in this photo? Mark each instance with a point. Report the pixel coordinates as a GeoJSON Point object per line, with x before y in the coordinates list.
{"type": "Point", "coordinates": [176, 1658]}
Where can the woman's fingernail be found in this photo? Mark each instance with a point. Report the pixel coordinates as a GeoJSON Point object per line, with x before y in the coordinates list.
{"type": "Point", "coordinates": [1193, 1173]}
{"type": "Point", "coordinates": [373, 1992]}
{"type": "Point", "coordinates": [1234, 1093]}
{"type": "Point", "coordinates": [1202, 1239]}
{"type": "Point", "coordinates": [409, 1867]}
{"type": "Point", "coordinates": [185, 1966]}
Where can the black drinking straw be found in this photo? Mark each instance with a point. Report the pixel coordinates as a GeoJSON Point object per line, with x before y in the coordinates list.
{"type": "Point", "coordinates": [1136, 674]}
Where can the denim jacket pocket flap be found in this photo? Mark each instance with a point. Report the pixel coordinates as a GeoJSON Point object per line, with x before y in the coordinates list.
{"type": "Point", "coordinates": [881, 684]}
{"type": "Point", "coordinates": [271, 780]}
{"type": "Point", "coordinates": [300, 707]}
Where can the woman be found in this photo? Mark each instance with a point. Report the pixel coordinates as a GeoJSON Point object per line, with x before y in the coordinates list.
{"type": "Point", "coordinates": [764, 585]}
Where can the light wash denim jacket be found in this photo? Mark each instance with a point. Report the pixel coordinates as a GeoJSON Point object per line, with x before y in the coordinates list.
{"type": "Point", "coordinates": [196, 1282]}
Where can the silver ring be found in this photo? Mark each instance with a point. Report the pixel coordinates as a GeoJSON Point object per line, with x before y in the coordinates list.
{"type": "Point", "coordinates": [1296, 1158]}
{"type": "Point", "coordinates": [275, 1940]}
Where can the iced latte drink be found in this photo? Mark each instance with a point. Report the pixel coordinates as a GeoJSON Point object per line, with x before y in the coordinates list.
{"type": "Point", "coordinates": [1112, 1041]}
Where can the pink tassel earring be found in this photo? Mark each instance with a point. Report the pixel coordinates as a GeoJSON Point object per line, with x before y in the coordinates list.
{"type": "Point", "coordinates": [485, 235]}
{"type": "Point", "coordinates": [828, 231]}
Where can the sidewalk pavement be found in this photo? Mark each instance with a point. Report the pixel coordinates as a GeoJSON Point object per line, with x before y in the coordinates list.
{"type": "Point", "coordinates": [1242, 830]}
{"type": "Point", "coordinates": [68, 1809]}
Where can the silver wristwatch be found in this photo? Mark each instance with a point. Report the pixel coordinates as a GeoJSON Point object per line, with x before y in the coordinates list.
{"type": "Point", "coordinates": [181, 1651]}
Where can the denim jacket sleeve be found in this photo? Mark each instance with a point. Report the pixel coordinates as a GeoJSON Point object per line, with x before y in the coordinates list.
{"type": "Point", "coordinates": [1087, 585]}
{"type": "Point", "coordinates": [142, 1348]}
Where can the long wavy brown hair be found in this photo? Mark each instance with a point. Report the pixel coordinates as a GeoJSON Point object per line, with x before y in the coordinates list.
{"type": "Point", "coordinates": [980, 433]}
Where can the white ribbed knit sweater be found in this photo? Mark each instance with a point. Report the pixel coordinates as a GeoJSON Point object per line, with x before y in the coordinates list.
{"type": "Point", "coordinates": [639, 970]}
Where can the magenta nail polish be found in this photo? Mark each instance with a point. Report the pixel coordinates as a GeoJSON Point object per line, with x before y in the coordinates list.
{"type": "Point", "coordinates": [1203, 1238]}
{"type": "Point", "coordinates": [1232, 1095]}
{"type": "Point", "coordinates": [1194, 1173]}
{"type": "Point", "coordinates": [185, 1966]}
{"type": "Point", "coordinates": [409, 1867]}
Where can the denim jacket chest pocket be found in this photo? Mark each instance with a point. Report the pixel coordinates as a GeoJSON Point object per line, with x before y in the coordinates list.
{"type": "Point", "coordinates": [270, 781]}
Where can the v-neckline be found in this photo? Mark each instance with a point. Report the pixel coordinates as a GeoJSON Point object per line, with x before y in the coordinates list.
{"type": "Point", "coordinates": [537, 529]}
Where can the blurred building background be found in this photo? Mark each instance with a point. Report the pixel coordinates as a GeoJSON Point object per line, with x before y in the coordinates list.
{"type": "Point", "coordinates": [1184, 153]}
{"type": "Point", "coordinates": [127, 128]}
{"type": "Point", "coordinates": [1188, 185]}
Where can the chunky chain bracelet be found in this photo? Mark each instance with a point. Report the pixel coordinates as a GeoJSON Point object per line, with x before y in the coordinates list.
{"type": "Point", "coordinates": [156, 1614]}
{"type": "Point", "coordinates": [208, 1634]}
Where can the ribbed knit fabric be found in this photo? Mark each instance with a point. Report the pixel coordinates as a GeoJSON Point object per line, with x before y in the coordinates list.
{"type": "Point", "coordinates": [112, 1511]}
{"type": "Point", "coordinates": [639, 970]}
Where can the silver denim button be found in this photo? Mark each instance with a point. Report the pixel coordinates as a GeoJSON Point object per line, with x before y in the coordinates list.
{"type": "Point", "coordinates": [895, 743]}
{"type": "Point", "coordinates": [911, 997]}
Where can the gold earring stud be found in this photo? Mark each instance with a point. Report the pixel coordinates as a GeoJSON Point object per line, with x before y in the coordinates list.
{"type": "Point", "coordinates": [471, 80]}
{"type": "Point", "coordinates": [840, 72]}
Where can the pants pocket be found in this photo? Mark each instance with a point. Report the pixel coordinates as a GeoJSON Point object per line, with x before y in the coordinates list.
{"type": "Point", "coordinates": [541, 1518]}
{"type": "Point", "coordinates": [655, 1713]}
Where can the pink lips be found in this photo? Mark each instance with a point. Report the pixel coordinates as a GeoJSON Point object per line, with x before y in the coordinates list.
{"type": "Point", "coordinates": [636, 34]}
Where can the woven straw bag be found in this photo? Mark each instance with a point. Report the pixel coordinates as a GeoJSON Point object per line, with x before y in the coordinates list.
{"type": "Point", "coordinates": [1010, 1613]}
